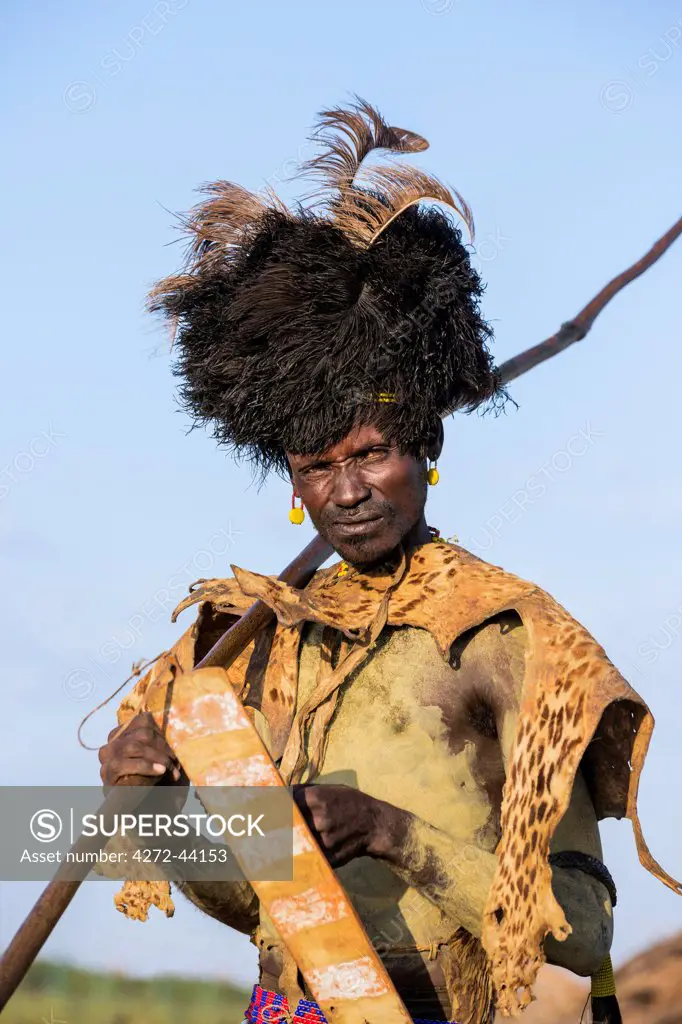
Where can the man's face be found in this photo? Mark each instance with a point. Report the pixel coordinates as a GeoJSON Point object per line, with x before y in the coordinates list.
{"type": "Point", "coordinates": [362, 495]}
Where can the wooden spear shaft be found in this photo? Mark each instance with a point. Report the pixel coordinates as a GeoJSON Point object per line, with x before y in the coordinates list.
{"type": "Point", "coordinates": [577, 328]}
{"type": "Point", "coordinates": [56, 897]}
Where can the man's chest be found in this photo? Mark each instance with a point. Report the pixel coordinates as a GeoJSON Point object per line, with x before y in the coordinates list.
{"type": "Point", "coordinates": [406, 730]}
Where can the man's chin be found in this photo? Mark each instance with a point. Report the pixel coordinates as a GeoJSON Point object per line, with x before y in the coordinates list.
{"type": "Point", "coordinates": [364, 552]}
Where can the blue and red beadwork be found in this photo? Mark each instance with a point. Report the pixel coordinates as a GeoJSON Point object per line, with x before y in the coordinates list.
{"type": "Point", "coordinates": [269, 1008]}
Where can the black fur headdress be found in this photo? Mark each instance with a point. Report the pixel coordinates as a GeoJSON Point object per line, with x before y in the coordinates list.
{"type": "Point", "coordinates": [291, 325]}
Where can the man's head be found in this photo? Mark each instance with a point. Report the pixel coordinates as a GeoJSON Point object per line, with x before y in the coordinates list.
{"type": "Point", "coordinates": [292, 326]}
{"type": "Point", "coordinates": [364, 495]}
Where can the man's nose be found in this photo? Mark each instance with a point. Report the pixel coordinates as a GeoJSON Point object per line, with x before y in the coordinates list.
{"type": "Point", "coordinates": [349, 487]}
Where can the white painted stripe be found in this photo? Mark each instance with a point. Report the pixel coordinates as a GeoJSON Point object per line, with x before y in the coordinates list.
{"type": "Point", "coordinates": [303, 843]}
{"type": "Point", "coordinates": [208, 715]}
{"type": "Point", "coordinates": [292, 914]}
{"type": "Point", "coordinates": [355, 979]}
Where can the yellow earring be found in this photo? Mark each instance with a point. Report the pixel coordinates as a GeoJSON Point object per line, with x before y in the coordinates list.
{"type": "Point", "coordinates": [296, 515]}
{"type": "Point", "coordinates": [433, 476]}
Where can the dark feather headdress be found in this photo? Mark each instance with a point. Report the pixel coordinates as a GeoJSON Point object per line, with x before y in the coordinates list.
{"type": "Point", "coordinates": [291, 325]}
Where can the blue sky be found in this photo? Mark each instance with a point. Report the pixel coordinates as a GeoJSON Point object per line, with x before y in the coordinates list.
{"type": "Point", "coordinates": [561, 129]}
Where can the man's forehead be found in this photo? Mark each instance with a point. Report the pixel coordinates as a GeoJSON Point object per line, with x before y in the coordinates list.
{"type": "Point", "coordinates": [359, 437]}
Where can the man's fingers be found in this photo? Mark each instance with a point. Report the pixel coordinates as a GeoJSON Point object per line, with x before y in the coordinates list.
{"type": "Point", "coordinates": [145, 722]}
{"type": "Point", "coordinates": [131, 743]}
{"type": "Point", "coordinates": [310, 796]}
{"type": "Point", "coordinates": [316, 817]}
{"type": "Point", "coordinates": [134, 766]}
{"type": "Point", "coordinates": [304, 801]}
{"type": "Point", "coordinates": [112, 771]}
{"type": "Point", "coordinates": [144, 746]}
{"type": "Point", "coordinates": [141, 732]}
{"type": "Point", "coordinates": [138, 749]}
{"type": "Point", "coordinates": [157, 756]}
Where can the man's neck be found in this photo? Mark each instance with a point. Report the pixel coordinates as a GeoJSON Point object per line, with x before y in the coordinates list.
{"type": "Point", "coordinates": [419, 534]}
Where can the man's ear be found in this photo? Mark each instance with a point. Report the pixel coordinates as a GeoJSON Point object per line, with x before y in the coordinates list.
{"type": "Point", "coordinates": [435, 443]}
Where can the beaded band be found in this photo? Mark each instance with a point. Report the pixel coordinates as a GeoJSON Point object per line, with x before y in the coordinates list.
{"type": "Point", "coordinates": [589, 865]}
{"type": "Point", "coordinates": [603, 982]}
{"type": "Point", "coordinates": [270, 1008]}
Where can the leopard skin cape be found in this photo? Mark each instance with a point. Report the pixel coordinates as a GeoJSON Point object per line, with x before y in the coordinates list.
{"type": "Point", "coordinates": [576, 709]}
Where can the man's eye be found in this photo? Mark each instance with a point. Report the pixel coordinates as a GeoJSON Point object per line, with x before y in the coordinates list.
{"type": "Point", "coordinates": [374, 455]}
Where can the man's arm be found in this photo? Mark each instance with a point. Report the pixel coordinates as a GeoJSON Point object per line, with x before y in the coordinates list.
{"type": "Point", "coordinates": [584, 898]}
{"type": "Point", "coordinates": [457, 876]}
{"type": "Point", "coordinates": [232, 903]}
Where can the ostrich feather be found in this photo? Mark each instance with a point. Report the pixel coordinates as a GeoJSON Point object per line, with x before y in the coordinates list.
{"type": "Point", "coordinates": [348, 136]}
{"type": "Point", "coordinates": [383, 193]}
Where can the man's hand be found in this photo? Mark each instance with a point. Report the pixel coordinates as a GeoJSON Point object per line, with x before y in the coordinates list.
{"type": "Point", "coordinates": [141, 749]}
{"type": "Point", "coordinates": [348, 823]}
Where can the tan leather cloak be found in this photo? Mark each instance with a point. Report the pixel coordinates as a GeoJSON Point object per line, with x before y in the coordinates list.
{"type": "Point", "coordinates": [575, 707]}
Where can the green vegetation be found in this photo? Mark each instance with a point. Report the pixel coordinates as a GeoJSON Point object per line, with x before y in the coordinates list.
{"type": "Point", "coordinates": [59, 994]}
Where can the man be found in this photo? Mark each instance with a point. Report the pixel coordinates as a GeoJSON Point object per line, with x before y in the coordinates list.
{"type": "Point", "coordinates": [451, 733]}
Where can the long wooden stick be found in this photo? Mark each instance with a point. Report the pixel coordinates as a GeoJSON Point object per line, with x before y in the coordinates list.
{"type": "Point", "coordinates": [576, 329]}
{"type": "Point", "coordinates": [56, 897]}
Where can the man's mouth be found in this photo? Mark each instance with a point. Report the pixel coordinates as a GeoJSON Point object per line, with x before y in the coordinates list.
{"type": "Point", "coordinates": [356, 527]}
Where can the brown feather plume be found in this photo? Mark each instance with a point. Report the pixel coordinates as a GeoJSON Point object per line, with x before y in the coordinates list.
{"type": "Point", "coordinates": [348, 136]}
{"type": "Point", "coordinates": [222, 220]}
{"type": "Point", "coordinates": [366, 200]}
{"type": "Point", "coordinates": [383, 193]}
{"type": "Point", "coordinates": [172, 283]}
{"type": "Point", "coordinates": [215, 227]}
